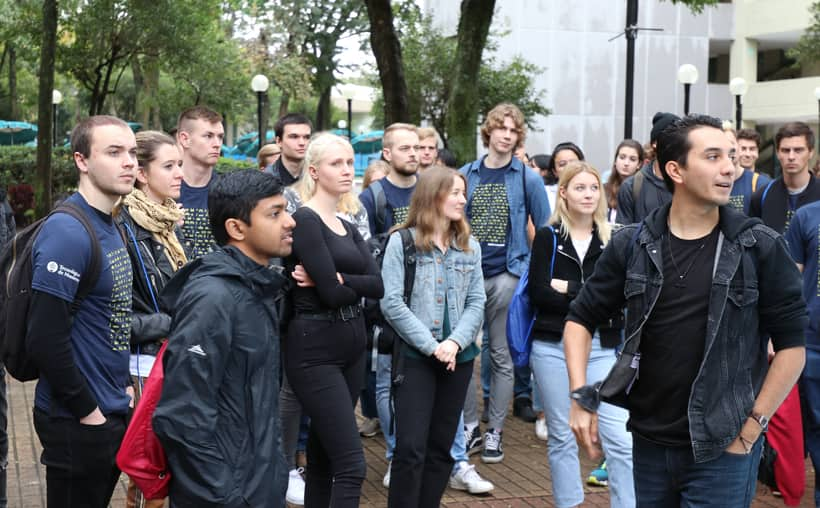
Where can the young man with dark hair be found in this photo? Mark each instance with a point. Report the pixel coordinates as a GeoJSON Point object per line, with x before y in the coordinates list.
{"type": "Point", "coordinates": [702, 284]}
{"type": "Point", "coordinates": [644, 191]}
{"type": "Point", "coordinates": [218, 415]}
{"type": "Point", "coordinates": [82, 351]}
{"type": "Point", "coordinates": [292, 133]}
{"type": "Point", "coordinates": [502, 194]}
{"type": "Point", "coordinates": [199, 134]}
{"type": "Point", "coordinates": [748, 148]}
{"type": "Point", "coordinates": [777, 202]}
{"type": "Point", "coordinates": [746, 181]}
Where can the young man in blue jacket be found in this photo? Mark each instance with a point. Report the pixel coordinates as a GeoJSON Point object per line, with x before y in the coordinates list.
{"type": "Point", "coordinates": [703, 286]}
{"type": "Point", "coordinates": [502, 194]}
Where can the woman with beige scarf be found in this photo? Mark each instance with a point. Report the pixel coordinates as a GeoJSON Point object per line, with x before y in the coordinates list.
{"type": "Point", "coordinates": [149, 220]}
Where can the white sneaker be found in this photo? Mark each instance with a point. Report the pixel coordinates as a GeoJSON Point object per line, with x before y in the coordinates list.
{"type": "Point", "coordinates": [296, 487]}
{"type": "Point", "coordinates": [465, 477]}
{"type": "Point", "coordinates": [541, 429]}
{"type": "Point", "coordinates": [386, 479]}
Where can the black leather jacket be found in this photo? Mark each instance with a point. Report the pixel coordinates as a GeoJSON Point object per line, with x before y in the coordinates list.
{"type": "Point", "coordinates": [148, 327]}
{"type": "Point", "coordinates": [756, 289]}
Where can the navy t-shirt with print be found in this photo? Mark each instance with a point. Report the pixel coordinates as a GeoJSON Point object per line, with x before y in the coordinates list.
{"type": "Point", "coordinates": [489, 214]}
{"type": "Point", "coordinates": [742, 191]}
{"type": "Point", "coordinates": [102, 325]}
{"type": "Point", "coordinates": [196, 227]}
{"type": "Point", "coordinates": [397, 200]}
{"type": "Point", "coordinates": [803, 237]}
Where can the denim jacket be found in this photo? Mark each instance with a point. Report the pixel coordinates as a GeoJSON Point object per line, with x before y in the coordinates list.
{"type": "Point", "coordinates": [518, 247]}
{"type": "Point", "coordinates": [756, 289]}
{"type": "Point", "coordinates": [455, 274]}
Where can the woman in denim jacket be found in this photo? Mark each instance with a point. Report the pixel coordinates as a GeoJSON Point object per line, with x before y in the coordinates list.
{"type": "Point", "coordinates": [439, 328]}
{"type": "Point", "coordinates": [563, 257]}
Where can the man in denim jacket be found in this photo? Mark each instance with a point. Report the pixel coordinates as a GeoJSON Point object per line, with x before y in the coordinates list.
{"type": "Point", "coordinates": [501, 195]}
{"type": "Point", "coordinates": [703, 286]}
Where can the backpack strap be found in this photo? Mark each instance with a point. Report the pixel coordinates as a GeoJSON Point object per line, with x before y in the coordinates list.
{"type": "Point", "coordinates": [554, 249]}
{"type": "Point", "coordinates": [755, 176]}
{"type": "Point", "coordinates": [87, 282]}
{"type": "Point", "coordinates": [398, 359]}
{"type": "Point", "coordinates": [763, 197]}
{"type": "Point", "coordinates": [379, 205]}
{"type": "Point", "coordinates": [524, 186]}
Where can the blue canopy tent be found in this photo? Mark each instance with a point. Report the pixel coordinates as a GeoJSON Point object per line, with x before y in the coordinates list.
{"type": "Point", "coordinates": [16, 133]}
{"type": "Point", "coordinates": [366, 147]}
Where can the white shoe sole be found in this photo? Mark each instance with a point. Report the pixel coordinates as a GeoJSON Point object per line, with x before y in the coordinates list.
{"type": "Point", "coordinates": [492, 460]}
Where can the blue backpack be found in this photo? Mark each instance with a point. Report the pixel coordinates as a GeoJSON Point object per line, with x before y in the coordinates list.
{"type": "Point", "coordinates": [521, 316]}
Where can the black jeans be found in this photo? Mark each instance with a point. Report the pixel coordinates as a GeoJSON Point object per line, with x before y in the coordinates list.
{"type": "Point", "coordinates": [80, 460]}
{"type": "Point", "coordinates": [4, 437]}
{"type": "Point", "coordinates": [324, 361]}
{"type": "Point", "coordinates": [428, 405]}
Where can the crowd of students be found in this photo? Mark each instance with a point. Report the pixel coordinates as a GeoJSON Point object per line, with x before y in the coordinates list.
{"type": "Point", "coordinates": [286, 299]}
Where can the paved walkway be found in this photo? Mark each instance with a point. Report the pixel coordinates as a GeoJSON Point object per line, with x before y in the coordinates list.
{"type": "Point", "coordinates": [522, 480]}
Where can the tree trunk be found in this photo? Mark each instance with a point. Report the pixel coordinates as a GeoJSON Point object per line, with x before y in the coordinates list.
{"type": "Point", "coordinates": [44, 119]}
{"type": "Point", "coordinates": [387, 50]}
{"type": "Point", "coordinates": [143, 111]}
{"type": "Point", "coordinates": [284, 102]}
{"type": "Point", "coordinates": [462, 106]}
{"type": "Point", "coordinates": [323, 111]}
{"type": "Point", "coordinates": [14, 101]}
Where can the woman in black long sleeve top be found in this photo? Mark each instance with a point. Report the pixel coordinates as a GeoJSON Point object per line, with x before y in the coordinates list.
{"type": "Point", "coordinates": [563, 257]}
{"type": "Point", "coordinates": [325, 347]}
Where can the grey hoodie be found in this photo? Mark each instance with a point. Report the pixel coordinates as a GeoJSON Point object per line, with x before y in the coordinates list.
{"type": "Point", "coordinates": [653, 193]}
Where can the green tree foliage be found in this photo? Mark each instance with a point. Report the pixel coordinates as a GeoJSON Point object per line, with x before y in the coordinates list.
{"type": "Point", "coordinates": [429, 58]}
{"type": "Point", "coordinates": [807, 50]}
{"type": "Point", "coordinates": [696, 6]}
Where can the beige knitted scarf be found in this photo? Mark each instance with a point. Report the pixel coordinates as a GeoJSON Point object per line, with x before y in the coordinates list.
{"type": "Point", "coordinates": [160, 219]}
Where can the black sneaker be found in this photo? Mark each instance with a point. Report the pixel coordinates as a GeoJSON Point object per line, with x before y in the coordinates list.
{"type": "Point", "coordinates": [522, 408]}
{"type": "Point", "coordinates": [475, 443]}
{"type": "Point", "coordinates": [493, 452]}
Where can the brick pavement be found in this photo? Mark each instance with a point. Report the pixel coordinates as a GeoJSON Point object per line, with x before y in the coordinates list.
{"type": "Point", "coordinates": [522, 480]}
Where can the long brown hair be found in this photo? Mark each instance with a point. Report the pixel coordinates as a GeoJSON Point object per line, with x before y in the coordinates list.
{"type": "Point", "coordinates": [431, 190]}
{"type": "Point", "coordinates": [613, 184]}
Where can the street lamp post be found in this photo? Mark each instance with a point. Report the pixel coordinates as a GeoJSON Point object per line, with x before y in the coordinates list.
{"type": "Point", "coordinates": [56, 99]}
{"type": "Point", "coordinates": [259, 84]}
{"type": "Point", "coordinates": [738, 87]}
{"type": "Point", "coordinates": [343, 126]}
{"type": "Point", "coordinates": [687, 76]}
{"type": "Point", "coordinates": [348, 92]}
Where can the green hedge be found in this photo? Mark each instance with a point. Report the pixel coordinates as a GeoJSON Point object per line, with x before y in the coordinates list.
{"type": "Point", "coordinates": [18, 164]}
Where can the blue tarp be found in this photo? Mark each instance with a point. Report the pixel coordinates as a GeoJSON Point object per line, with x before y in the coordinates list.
{"type": "Point", "coordinates": [16, 133]}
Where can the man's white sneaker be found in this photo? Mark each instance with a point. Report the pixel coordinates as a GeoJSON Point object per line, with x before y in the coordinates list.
{"type": "Point", "coordinates": [386, 479]}
{"type": "Point", "coordinates": [541, 429]}
{"type": "Point", "coordinates": [296, 487]}
{"type": "Point", "coordinates": [465, 477]}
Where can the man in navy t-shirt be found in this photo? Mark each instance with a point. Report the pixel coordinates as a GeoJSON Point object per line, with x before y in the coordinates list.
{"type": "Point", "coordinates": [803, 237]}
{"type": "Point", "coordinates": [83, 394]}
{"type": "Point", "coordinates": [747, 181]}
{"type": "Point", "coordinates": [199, 133]}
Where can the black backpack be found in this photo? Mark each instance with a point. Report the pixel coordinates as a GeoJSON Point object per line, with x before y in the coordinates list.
{"type": "Point", "coordinates": [15, 295]}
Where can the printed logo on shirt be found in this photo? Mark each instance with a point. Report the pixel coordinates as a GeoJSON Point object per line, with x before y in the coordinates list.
{"type": "Point", "coordinates": [400, 214]}
{"type": "Point", "coordinates": [63, 271]}
{"type": "Point", "coordinates": [490, 214]}
{"type": "Point", "coordinates": [736, 202]}
{"type": "Point", "coordinates": [197, 229]}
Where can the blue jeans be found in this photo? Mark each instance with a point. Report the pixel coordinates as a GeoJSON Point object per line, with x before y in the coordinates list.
{"type": "Point", "coordinates": [667, 477]}
{"type": "Point", "coordinates": [810, 404]}
{"type": "Point", "coordinates": [550, 368]}
{"type": "Point", "coordinates": [383, 381]}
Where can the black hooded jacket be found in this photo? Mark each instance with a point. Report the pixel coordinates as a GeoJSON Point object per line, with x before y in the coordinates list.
{"type": "Point", "coordinates": [218, 418]}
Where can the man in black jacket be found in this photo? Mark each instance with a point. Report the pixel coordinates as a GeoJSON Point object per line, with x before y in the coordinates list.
{"type": "Point", "coordinates": [777, 202]}
{"type": "Point", "coordinates": [700, 282]}
{"type": "Point", "coordinates": [218, 415]}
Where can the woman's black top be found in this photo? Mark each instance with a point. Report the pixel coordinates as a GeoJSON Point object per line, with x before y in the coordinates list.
{"type": "Point", "coordinates": [323, 253]}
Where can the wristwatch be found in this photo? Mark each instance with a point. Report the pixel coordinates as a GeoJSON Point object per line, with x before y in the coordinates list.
{"type": "Point", "coordinates": [761, 420]}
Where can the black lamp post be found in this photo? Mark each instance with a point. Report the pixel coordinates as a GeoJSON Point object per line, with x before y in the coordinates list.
{"type": "Point", "coordinates": [56, 99]}
{"type": "Point", "coordinates": [259, 84]}
{"type": "Point", "coordinates": [687, 76]}
{"type": "Point", "coordinates": [738, 87]}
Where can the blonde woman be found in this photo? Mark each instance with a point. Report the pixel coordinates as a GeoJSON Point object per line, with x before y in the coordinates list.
{"type": "Point", "coordinates": [324, 353]}
{"type": "Point", "coordinates": [564, 254]}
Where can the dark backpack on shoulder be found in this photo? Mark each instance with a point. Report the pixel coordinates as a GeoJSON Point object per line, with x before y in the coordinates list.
{"type": "Point", "coordinates": [15, 291]}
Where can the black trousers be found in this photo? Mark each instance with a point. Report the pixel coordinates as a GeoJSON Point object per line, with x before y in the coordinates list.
{"type": "Point", "coordinates": [80, 460]}
{"type": "Point", "coordinates": [428, 405]}
{"type": "Point", "coordinates": [324, 361]}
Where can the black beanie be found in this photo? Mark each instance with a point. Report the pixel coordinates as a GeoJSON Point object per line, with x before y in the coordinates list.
{"type": "Point", "coordinates": [659, 122]}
